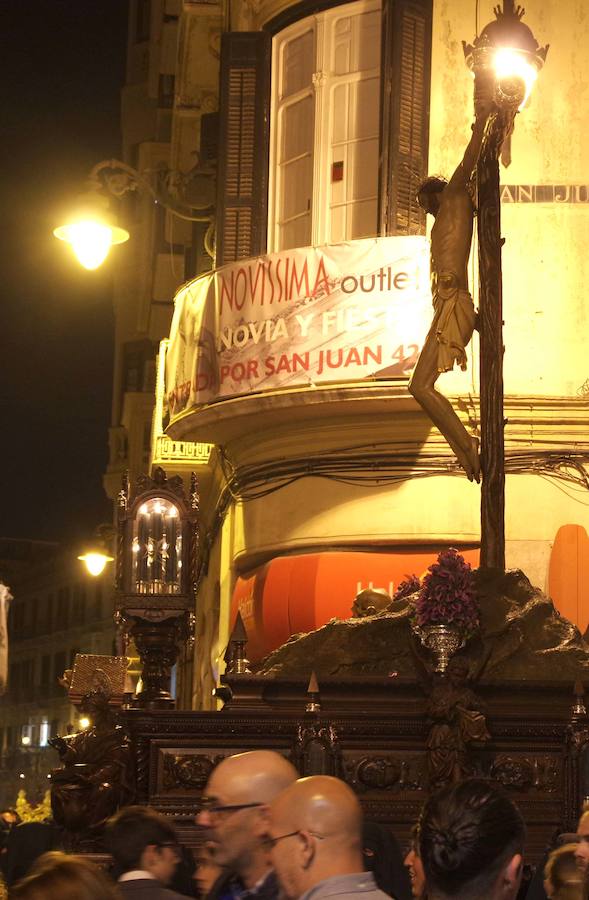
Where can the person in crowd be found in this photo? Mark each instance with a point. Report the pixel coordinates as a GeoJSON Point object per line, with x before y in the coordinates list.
{"type": "Point", "coordinates": [58, 876]}
{"type": "Point", "coordinates": [207, 870]}
{"type": "Point", "coordinates": [563, 879]}
{"type": "Point", "coordinates": [580, 838]}
{"type": "Point", "coordinates": [25, 843]}
{"type": "Point", "coordinates": [471, 838]}
{"type": "Point", "coordinates": [144, 847]}
{"type": "Point", "coordinates": [383, 857]}
{"type": "Point", "coordinates": [9, 818]}
{"type": "Point", "coordinates": [582, 848]}
{"type": "Point", "coordinates": [315, 838]}
{"type": "Point", "coordinates": [234, 812]}
{"type": "Point", "coordinates": [183, 878]}
{"type": "Point", "coordinates": [415, 868]}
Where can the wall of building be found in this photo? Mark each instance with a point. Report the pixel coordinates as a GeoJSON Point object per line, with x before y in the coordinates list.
{"type": "Point", "coordinates": [547, 345]}
{"type": "Point", "coordinates": [58, 610]}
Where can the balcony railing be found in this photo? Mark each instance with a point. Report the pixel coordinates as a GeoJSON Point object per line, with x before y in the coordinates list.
{"type": "Point", "coordinates": [164, 450]}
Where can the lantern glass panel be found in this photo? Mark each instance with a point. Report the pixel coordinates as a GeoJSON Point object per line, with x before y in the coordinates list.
{"type": "Point", "coordinates": [157, 548]}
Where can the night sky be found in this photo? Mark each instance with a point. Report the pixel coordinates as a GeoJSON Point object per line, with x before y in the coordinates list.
{"type": "Point", "coordinates": [62, 71]}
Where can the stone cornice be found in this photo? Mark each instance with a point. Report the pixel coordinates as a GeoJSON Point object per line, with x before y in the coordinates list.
{"type": "Point", "coordinates": [336, 417]}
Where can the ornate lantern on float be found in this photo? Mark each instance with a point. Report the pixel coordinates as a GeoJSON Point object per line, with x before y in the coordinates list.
{"type": "Point", "coordinates": [157, 546]}
{"type": "Point", "coordinates": [505, 58]}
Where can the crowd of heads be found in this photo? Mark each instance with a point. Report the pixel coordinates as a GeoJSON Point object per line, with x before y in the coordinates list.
{"type": "Point", "coordinates": [261, 824]}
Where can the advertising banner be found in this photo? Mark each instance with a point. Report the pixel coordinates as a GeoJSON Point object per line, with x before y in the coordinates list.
{"type": "Point", "coordinates": [300, 318]}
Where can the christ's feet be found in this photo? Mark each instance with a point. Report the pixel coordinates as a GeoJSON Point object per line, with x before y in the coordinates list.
{"type": "Point", "coordinates": [470, 461]}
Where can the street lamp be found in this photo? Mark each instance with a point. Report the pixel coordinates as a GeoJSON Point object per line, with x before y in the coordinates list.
{"type": "Point", "coordinates": [91, 229]}
{"type": "Point", "coordinates": [97, 555]}
{"type": "Point", "coordinates": [95, 561]}
{"type": "Point", "coordinates": [505, 59]}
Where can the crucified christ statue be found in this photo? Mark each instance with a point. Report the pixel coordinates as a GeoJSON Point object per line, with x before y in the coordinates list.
{"type": "Point", "coordinates": [451, 205]}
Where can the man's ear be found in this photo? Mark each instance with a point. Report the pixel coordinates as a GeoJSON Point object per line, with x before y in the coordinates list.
{"type": "Point", "coordinates": [261, 827]}
{"type": "Point", "coordinates": [307, 848]}
{"type": "Point", "coordinates": [147, 858]}
{"type": "Point", "coordinates": [511, 877]}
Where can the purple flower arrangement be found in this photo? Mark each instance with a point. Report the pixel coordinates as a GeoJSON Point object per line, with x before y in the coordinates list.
{"type": "Point", "coordinates": [410, 585]}
{"type": "Point", "coordinates": [448, 594]}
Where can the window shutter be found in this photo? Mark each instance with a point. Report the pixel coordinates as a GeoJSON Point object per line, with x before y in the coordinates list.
{"type": "Point", "coordinates": [244, 108]}
{"type": "Point", "coordinates": [406, 64]}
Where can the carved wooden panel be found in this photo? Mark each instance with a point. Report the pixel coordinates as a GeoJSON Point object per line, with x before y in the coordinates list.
{"type": "Point", "coordinates": [376, 744]}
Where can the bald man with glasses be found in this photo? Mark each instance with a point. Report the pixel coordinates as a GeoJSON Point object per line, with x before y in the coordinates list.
{"type": "Point", "coordinates": [315, 842]}
{"type": "Point", "coordinates": [234, 812]}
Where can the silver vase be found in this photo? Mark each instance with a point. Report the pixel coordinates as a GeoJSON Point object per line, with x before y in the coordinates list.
{"type": "Point", "coordinates": [443, 641]}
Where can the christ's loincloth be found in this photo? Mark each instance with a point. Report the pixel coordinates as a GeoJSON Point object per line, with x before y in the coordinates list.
{"type": "Point", "coordinates": [454, 319]}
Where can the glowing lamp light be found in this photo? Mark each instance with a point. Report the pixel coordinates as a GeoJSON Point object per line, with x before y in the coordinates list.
{"type": "Point", "coordinates": [25, 740]}
{"type": "Point", "coordinates": [512, 65]}
{"type": "Point", "coordinates": [505, 57]}
{"type": "Point", "coordinates": [91, 240]}
{"type": "Point", "coordinates": [91, 230]}
{"type": "Point", "coordinates": [95, 561]}
{"type": "Point", "coordinates": [84, 722]}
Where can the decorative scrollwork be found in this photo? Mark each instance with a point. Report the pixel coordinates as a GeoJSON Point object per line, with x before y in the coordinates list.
{"type": "Point", "coordinates": [159, 480]}
{"type": "Point", "coordinates": [519, 773]}
{"type": "Point", "coordinates": [316, 750]}
{"type": "Point", "coordinates": [512, 772]}
{"type": "Point", "coordinates": [385, 773]}
{"type": "Point", "coordinates": [188, 771]}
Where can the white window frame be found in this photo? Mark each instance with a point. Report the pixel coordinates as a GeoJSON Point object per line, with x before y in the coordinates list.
{"type": "Point", "coordinates": [323, 84]}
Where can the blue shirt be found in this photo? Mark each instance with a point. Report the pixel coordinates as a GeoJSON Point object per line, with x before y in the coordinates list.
{"type": "Point", "coordinates": [266, 889]}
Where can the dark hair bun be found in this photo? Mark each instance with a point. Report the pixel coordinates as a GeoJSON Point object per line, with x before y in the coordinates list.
{"type": "Point", "coordinates": [466, 830]}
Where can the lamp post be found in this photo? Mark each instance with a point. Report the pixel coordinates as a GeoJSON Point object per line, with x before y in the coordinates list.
{"type": "Point", "coordinates": [92, 229]}
{"type": "Point", "coordinates": [505, 59]}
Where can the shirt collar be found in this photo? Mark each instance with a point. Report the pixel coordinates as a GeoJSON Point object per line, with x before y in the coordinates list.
{"type": "Point", "coordinates": [136, 874]}
{"type": "Point", "coordinates": [266, 886]}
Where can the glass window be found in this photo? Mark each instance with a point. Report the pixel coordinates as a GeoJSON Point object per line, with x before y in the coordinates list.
{"type": "Point", "coordinates": [157, 548]}
{"type": "Point", "coordinates": [43, 733]}
{"type": "Point", "coordinates": [325, 139]}
{"type": "Point", "coordinates": [63, 607]}
{"type": "Point", "coordinates": [142, 20]}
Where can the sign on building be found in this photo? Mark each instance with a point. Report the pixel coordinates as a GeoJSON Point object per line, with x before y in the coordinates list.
{"type": "Point", "coordinates": [299, 318]}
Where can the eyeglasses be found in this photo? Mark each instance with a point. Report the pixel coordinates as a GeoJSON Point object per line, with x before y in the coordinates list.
{"type": "Point", "coordinates": [270, 842]}
{"type": "Point", "coordinates": [211, 806]}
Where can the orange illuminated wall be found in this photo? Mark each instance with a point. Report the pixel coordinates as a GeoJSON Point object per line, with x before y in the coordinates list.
{"type": "Point", "coordinates": [568, 575]}
{"type": "Point", "coordinates": [297, 593]}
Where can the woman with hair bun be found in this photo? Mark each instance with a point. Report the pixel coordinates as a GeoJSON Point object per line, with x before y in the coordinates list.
{"type": "Point", "coordinates": [471, 838]}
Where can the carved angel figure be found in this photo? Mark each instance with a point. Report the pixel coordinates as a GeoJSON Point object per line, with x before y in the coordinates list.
{"type": "Point", "coordinates": [458, 721]}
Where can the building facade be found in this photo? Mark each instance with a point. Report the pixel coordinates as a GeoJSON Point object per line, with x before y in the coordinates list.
{"type": "Point", "coordinates": [292, 358]}
{"type": "Point", "coordinates": [57, 611]}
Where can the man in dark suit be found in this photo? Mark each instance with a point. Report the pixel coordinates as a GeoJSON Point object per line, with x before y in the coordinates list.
{"type": "Point", "coordinates": [144, 846]}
